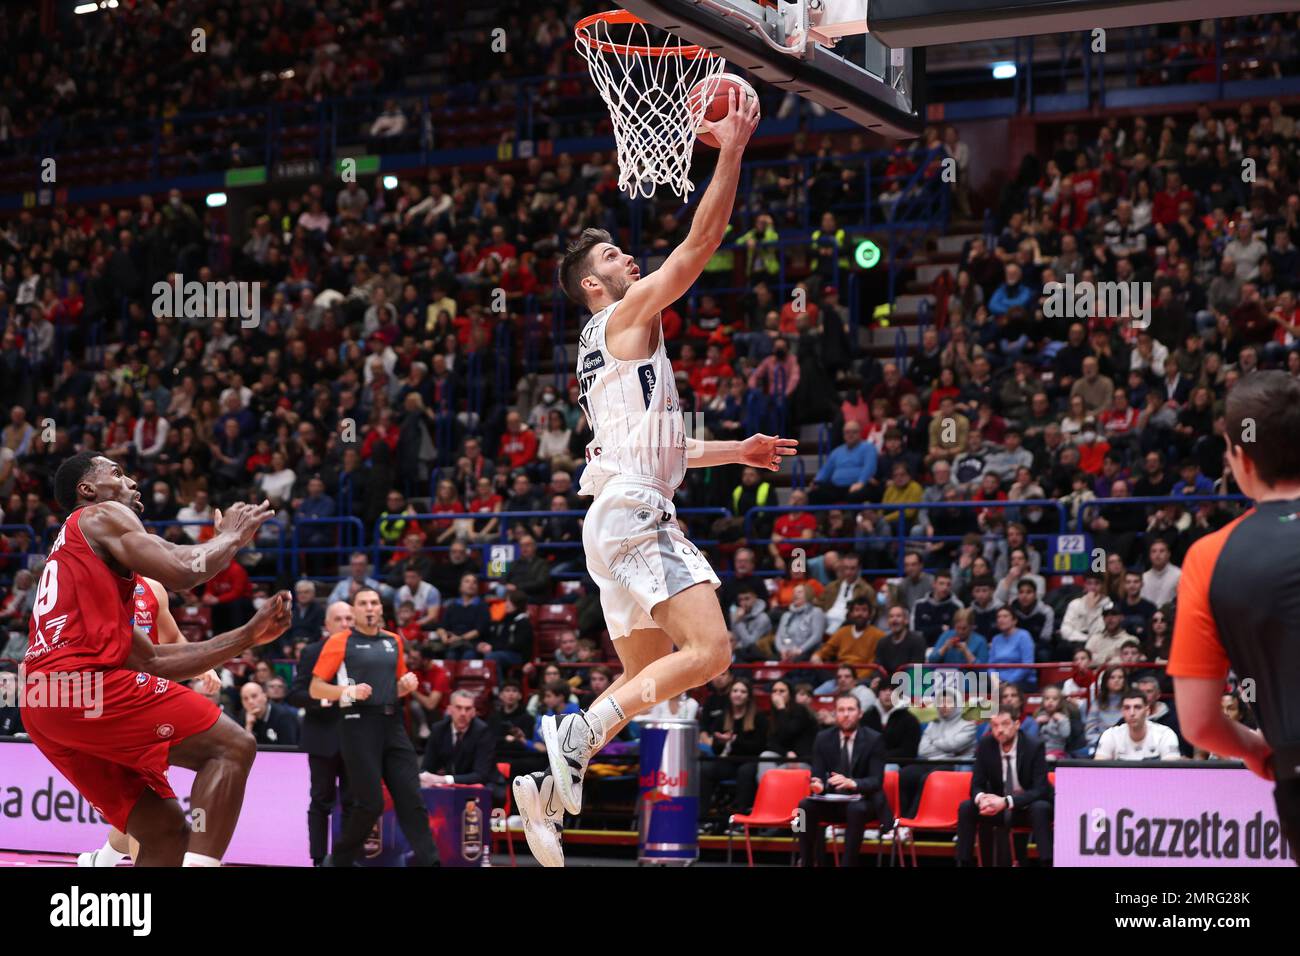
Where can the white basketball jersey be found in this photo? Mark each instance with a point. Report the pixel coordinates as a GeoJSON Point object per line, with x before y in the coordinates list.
{"type": "Point", "coordinates": [634, 411]}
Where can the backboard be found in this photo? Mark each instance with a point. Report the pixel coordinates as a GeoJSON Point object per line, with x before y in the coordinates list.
{"type": "Point", "coordinates": [794, 45]}
{"type": "Point", "coordinates": [931, 22]}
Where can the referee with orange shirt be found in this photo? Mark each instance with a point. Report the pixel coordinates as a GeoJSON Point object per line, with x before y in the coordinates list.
{"type": "Point", "coordinates": [1239, 599]}
{"type": "Point", "coordinates": [370, 665]}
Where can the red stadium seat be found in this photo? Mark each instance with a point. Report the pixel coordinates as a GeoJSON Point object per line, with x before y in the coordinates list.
{"type": "Point", "coordinates": [555, 615]}
{"type": "Point", "coordinates": [477, 677]}
{"type": "Point", "coordinates": [568, 588]}
{"type": "Point", "coordinates": [942, 794]}
{"type": "Point", "coordinates": [779, 793]}
{"type": "Point", "coordinates": [1055, 675]}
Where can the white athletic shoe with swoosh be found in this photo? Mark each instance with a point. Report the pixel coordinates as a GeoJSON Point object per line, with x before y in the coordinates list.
{"type": "Point", "coordinates": [542, 815]}
{"type": "Point", "coordinates": [570, 743]}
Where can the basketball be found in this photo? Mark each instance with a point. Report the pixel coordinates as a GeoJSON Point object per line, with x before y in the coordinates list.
{"type": "Point", "coordinates": [716, 108]}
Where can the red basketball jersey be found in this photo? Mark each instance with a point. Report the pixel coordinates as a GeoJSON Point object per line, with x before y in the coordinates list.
{"type": "Point", "coordinates": [145, 605]}
{"type": "Point", "coordinates": [82, 616]}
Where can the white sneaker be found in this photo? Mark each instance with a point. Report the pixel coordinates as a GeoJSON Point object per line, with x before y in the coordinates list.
{"type": "Point", "coordinates": [570, 743]}
{"type": "Point", "coordinates": [87, 858]}
{"type": "Point", "coordinates": [542, 816]}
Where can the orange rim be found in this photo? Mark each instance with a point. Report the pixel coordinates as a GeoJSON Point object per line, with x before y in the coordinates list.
{"type": "Point", "coordinates": [624, 18]}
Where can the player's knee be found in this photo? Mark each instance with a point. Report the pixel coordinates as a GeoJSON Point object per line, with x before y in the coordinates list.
{"type": "Point", "coordinates": [241, 749]}
{"type": "Point", "coordinates": [167, 827]}
{"type": "Point", "coordinates": [714, 658]}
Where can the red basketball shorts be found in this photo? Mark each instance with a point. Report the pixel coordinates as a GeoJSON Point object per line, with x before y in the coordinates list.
{"type": "Point", "coordinates": [115, 743]}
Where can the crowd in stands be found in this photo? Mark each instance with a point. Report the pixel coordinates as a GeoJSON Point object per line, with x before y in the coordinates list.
{"type": "Point", "coordinates": [379, 383]}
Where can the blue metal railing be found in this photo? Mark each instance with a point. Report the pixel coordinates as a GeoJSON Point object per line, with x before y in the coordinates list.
{"type": "Point", "coordinates": [343, 545]}
{"type": "Point", "coordinates": [379, 549]}
{"type": "Point", "coordinates": [1089, 509]}
{"type": "Point", "coordinates": [352, 535]}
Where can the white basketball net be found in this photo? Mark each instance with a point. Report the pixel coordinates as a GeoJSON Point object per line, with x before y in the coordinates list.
{"type": "Point", "coordinates": [647, 94]}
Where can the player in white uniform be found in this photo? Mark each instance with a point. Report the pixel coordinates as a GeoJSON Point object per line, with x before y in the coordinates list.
{"type": "Point", "coordinates": [656, 589]}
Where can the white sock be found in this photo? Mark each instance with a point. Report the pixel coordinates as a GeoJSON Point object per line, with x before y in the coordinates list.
{"type": "Point", "coordinates": [198, 859]}
{"type": "Point", "coordinates": [602, 718]}
{"type": "Point", "coordinates": [107, 856]}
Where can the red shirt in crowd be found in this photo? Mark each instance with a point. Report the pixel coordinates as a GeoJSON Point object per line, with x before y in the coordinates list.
{"type": "Point", "coordinates": [443, 508]}
{"type": "Point", "coordinates": [1164, 208]}
{"type": "Point", "coordinates": [707, 379]}
{"type": "Point", "coordinates": [793, 525]}
{"type": "Point", "coordinates": [434, 678]}
{"type": "Point", "coordinates": [519, 448]}
{"type": "Point", "coordinates": [379, 434]}
{"type": "Point", "coordinates": [1118, 423]}
{"type": "Point", "coordinates": [229, 584]}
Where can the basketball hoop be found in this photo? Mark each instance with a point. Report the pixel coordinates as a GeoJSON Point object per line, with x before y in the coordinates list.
{"type": "Point", "coordinates": [645, 79]}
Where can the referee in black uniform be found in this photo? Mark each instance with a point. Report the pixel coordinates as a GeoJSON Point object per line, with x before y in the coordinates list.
{"type": "Point", "coordinates": [320, 738]}
{"type": "Point", "coordinates": [370, 667]}
{"type": "Point", "coordinates": [1239, 599]}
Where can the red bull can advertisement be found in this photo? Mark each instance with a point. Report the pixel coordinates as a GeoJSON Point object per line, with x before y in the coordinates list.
{"type": "Point", "coordinates": [668, 792]}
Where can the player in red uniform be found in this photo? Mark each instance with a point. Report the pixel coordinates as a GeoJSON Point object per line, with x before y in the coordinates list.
{"type": "Point", "coordinates": [128, 719]}
{"type": "Point", "coordinates": [151, 614]}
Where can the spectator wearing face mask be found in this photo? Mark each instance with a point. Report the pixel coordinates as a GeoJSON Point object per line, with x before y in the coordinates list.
{"type": "Point", "coordinates": [539, 417]}
{"type": "Point", "coordinates": [775, 379]}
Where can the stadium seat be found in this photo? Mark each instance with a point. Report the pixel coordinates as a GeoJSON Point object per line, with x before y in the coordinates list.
{"type": "Point", "coordinates": [942, 794]}
{"type": "Point", "coordinates": [477, 677]}
{"type": "Point", "coordinates": [775, 805]}
{"type": "Point", "coordinates": [553, 615]}
{"type": "Point", "coordinates": [568, 589]}
{"type": "Point", "coordinates": [1055, 675]}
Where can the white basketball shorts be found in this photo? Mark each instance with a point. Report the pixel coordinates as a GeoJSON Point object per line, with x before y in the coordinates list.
{"type": "Point", "coordinates": [636, 553]}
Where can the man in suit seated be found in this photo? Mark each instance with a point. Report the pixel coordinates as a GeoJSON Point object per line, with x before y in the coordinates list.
{"type": "Point", "coordinates": [848, 759]}
{"type": "Point", "coordinates": [1008, 788]}
{"type": "Point", "coordinates": [460, 749]}
{"type": "Point", "coordinates": [267, 721]}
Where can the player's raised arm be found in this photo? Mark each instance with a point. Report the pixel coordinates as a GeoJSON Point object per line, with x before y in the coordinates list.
{"type": "Point", "coordinates": [114, 529]}
{"type": "Point", "coordinates": [648, 297]}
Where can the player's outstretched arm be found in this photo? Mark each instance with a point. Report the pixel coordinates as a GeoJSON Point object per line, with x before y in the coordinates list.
{"type": "Point", "coordinates": [759, 451]}
{"type": "Point", "coordinates": [183, 661]}
{"type": "Point", "coordinates": [115, 529]}
{"type": "Point", "coordinates": [648, 297]}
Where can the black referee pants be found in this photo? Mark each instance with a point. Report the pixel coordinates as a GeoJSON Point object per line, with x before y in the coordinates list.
{"type": "Point", "coordinates": [376, 751]}
{"type": "Point", "coordinates": [329, 781]}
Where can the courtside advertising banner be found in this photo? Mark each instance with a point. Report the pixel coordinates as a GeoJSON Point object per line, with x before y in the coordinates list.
{"type": "Point", "coordinates": [40, 811]}
{"type": "Point", "coordinates": [1166, 816]}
